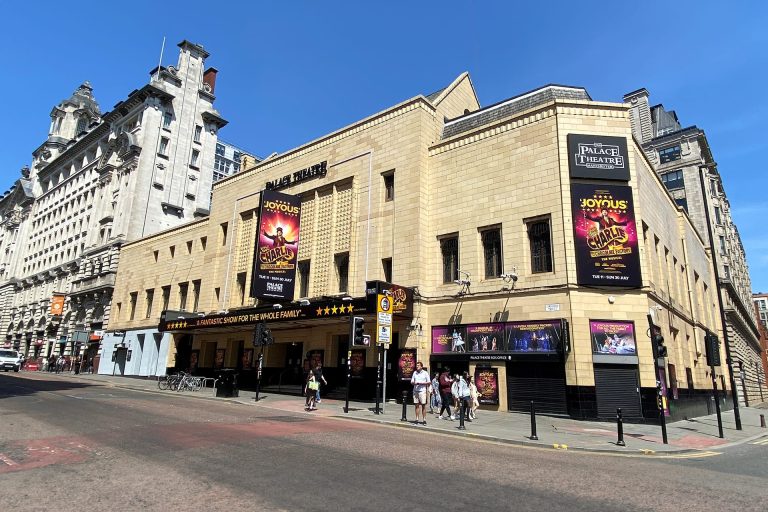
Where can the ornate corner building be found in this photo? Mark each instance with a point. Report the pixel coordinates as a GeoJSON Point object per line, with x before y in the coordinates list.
{"type": "Point", "coordinates": [682, 157]}
{"type": "Point", "coordinates": [98, 181]}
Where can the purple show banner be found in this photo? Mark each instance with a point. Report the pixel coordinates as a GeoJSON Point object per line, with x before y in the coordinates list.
{"type": "Point", "coordinates": [613, 337]}
{"type": "Point", "coordinates": [543, 336]}
{"type": "Point", "coordinates": [485, 337]}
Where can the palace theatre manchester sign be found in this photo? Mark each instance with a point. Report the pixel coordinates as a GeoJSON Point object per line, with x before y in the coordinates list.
{"type": "Point", "coordinates": [314, 171]}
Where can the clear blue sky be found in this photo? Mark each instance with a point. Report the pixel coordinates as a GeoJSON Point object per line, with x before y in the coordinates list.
{"type": "Point", "coordinates": [290, 71]}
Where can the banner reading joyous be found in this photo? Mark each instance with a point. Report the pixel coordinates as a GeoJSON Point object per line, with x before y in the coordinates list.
{"type": "Point", "coordinates": [277, 243]}
{"type": "Point", "coordinates": [605, 235]}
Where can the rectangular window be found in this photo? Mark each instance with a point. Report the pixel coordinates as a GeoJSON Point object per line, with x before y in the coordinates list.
{"type": "Point", "coordinates": [163, 150]}
{"type": "Point", "coordinates": [342, 271]}
{"type": "Point", "coordinates": [540, 245]}
{"type": "Point", "coordinates": [195, 158]}
{"type": "Point", "coordinates": [491, 239]}
{"type": "Point", "coordinates": [203, 242]}
{"type": "Point", "coordinates": [220, 149]}
{"type": "Point", "coordinates": [134, 297]}
{"type": "Point", "coordinates": [718, 218]}
{"type": "Point", "coordinates": [241, 287]}
{"type": "Point", "coordinates": [172, 250]}
{"type": "Point", "coordinates": [224, 234]}
{"type": "Point", "coordinates": [389, 186]}
{"type": "Point", "coordinates": [386, 263]}
{"type": "Point", "coordinates": [198, 133]}
{"type": "Point", "coordinates": [167, 118]}
{"type": "Point", "coordinates": [183, 290]}
{"type": "Point", "coordinates": [155, 254]}
{"type": "Point", "coordinates": [189, 247]}
{"type": "Point", "coordinates": [683, 202]}
{"type": "Point", "coordinates": [673, 180]}
{"type": "Point", "coordinates": [166, 297]}
{"type": "Point", "coordinates": [713, 187]}
{"type": "Point", "coordinates": [722, 244]}
{"type": "Point", "coordinates": [449, 248]}
{"type": "Point", "coordinates": [669, 154]}
{"type": "Point", "coordinates": [727, 271]}
{"type": "Point", "coordinates": [195, 294]}
{"type": "Point", "coordinates": [304, 278]}
{"type": "Point", "coordinates": [118, 310]}
{"type": "Point", "coordinates": [150, 299]}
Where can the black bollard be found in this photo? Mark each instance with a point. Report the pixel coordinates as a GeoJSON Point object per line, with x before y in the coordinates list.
{"type": "Point", "coordinates": [533, 437]}
{"type": "Point", "coordinates": [461, 415]}
{"type": "Point", "coordinates": [405, 406]}
{"type": "Point", "coordinates": [620, 427]}
{"type": "Point", "coordinates": [762, 420]}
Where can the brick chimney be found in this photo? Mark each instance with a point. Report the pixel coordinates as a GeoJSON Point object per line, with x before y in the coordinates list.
{"type": "Point", "coordinates": [209, 77]}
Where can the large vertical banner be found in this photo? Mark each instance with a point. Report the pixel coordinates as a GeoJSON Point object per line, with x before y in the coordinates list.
{"type": "Point", "coordinates": [605, 235]}
{"type": "Point", "coordinates": [406, 365]}
{"type": "Point", "coordinates": [277, 242]}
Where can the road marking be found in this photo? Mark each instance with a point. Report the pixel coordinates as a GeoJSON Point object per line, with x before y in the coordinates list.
{"type": "Point", "coordinates": [7, 461]}
{"type": "Point", "coordinates": [697, 455]}
{"type": "Point", "coordinates": [762, 442]}
{"type": "Point", "coordinates": [557, 446]}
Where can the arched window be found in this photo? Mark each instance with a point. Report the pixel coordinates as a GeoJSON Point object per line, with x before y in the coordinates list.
{"type": "Point", "coordinates": [82, 125]}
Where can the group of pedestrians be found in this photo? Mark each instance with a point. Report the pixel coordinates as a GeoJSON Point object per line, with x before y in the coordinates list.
{"type": "Point", "coordinates": [442, 391]}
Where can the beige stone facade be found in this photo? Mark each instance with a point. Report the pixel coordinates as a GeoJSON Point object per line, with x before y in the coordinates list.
{"type": "Point", "coordinates": [459, 171]}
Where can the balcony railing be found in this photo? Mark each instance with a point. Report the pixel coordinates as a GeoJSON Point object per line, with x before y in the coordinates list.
{"type": "Point", "coordinates": [93, 283]}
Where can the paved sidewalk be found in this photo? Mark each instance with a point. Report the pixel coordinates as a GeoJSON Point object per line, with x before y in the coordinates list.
{"type": "Point", "coordinates": [696, 436]}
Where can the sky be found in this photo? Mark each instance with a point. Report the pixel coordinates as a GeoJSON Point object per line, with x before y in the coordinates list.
{"type": "Point", "coordinates": [292, 71]}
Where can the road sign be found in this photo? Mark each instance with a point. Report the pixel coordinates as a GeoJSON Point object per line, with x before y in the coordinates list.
{"type": "Point", "coordinates": [384, 334]}
{"type": "Point", "coordinates": [384, 318]}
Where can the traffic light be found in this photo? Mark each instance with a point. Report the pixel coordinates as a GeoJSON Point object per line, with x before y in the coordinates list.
{"type": "Point", "coordinates": [358, 330]}
{"type": "Point", "coordinates": [657, 341]}
{"type": "Point", "coordinates": [258, 331]}
{"type": "Point", "coordinates": [266, 336]}
{"type": "Point", "coordinates": [712, 348]}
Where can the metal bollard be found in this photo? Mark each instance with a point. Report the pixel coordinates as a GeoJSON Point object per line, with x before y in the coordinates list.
{"type": "Point", "coordinates": [762, 420]}
{"type": "Point", "coordinates": [461, 414]}
{"type": "Point", "coordinates": [405, 406]}
{"type": "Point", "coordinates": [533, 437]}
{"type": "Point", "coordinates": [620, 427]}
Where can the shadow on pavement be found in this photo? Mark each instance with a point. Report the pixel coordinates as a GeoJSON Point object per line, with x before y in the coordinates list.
{"type": "Point", "coordinates": [13, 386]}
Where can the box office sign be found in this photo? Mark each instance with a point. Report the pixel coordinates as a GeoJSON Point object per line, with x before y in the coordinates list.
{"type": "Point", "coordinates": [598, 157]}
{"type": "Point", "coordinates": [605, 235]}
{"type": "Point", "coordinates": [277, 240]}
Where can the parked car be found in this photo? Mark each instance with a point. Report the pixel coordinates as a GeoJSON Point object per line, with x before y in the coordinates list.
{"type": "Point", "coordinates": [9, 360]}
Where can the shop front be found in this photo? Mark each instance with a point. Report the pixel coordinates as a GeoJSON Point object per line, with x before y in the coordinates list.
{"type": "Point", "coordinates": [304, 334]}
{"type": "Point", "coordinates": [516, 362]}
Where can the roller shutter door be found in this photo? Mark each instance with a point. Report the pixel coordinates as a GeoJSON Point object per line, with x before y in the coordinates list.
{"type": "Point", "coordinates": [544, 383]}
{"type": "Point", "coordinates": [616, 386]}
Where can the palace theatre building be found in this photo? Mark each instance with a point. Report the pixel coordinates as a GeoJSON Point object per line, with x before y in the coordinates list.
{"type": "Point", "coordinates": [529, 243]}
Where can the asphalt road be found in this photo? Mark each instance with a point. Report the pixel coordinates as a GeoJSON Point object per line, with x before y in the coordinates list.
{"type": "Point", "coordinates": [73, 446]}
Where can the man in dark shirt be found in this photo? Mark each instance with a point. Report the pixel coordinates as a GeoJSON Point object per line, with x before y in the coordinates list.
{"type": "Point", "coordinates": [445, 382]}
{"type": "Point", "coordinates": [318, 371]}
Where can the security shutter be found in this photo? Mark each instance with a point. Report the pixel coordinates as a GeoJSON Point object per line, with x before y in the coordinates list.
{"type": "Point", "coordinates": [616, 386]}
{"type": "Point", "coordinates": [544, 383]}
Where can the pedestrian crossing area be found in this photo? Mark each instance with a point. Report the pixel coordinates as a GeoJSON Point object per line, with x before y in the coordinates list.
{"type": "Point", "coordinates": [762, 442]}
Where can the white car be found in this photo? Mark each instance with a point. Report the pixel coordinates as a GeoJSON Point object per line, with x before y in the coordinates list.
{"type": "Point", "coordinates": [9, 360]}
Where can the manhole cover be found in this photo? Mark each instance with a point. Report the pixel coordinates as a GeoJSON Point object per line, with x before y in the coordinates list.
{"type": "Point", "coordinates": [285, 419]}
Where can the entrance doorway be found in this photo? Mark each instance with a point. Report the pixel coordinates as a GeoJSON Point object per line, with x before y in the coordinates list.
{"type": "Point", "coordinates": [294, 369]}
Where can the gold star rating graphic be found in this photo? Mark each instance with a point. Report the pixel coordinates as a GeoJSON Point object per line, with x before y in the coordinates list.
{"type": "Point", "coordinates": [327, 310]}
{"type": "Point", "coordinates": [319, 311]}
{"type": "Point", "coordinates": [177, 325]}
{"type": "Point", "coordinates": [335, 309]}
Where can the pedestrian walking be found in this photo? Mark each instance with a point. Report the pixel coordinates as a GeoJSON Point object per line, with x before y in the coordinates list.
{"type": "Point", "coordinates": [445, 394]}
{"type": "Point", "coordinates": [310, 390]}
{"type": "Point", "coordinates": [474, 398]}
{"type": "Point", "coordinates": [434, 394]}
{"type": "Point", "coordinates": [460, 392]}
{"type": "Point", "coordinates": [318, 373]}
{"type": "Point", "coordinates": [420, 382]}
